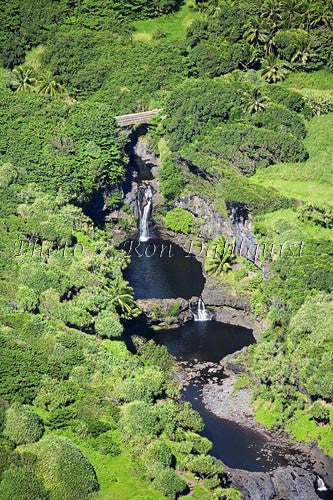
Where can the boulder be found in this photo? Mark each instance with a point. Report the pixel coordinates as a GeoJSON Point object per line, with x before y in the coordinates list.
{"type": "Point", "coordinates": [283, 483]}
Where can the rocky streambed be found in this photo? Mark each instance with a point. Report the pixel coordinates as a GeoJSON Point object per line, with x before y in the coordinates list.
{"type": "Point", "coordinates": [295, 469]}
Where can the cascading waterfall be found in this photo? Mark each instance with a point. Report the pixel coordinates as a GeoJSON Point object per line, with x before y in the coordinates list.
{"type": "Point", "coordinates": [145, 199]}
{"type": "Point", "coordinates": [321, 486]}
{"type": "Point", "coordinates": [202, 313]}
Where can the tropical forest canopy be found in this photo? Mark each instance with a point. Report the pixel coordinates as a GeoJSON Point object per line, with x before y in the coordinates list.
{"type": "Point", "coordinates": [246, 92]}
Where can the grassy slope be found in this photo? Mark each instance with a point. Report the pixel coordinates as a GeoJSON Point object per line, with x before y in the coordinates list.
{"type": "Point", "coordinates": [173, 25]}
{"type": "Point", "coordinates": [311, 181]}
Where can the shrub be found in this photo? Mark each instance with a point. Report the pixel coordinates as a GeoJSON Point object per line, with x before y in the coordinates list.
{"type": "Point", "coordinates": [179, 220]}
{"type": "Point", "coordinates": [21, 367]}
{"type": "Point", "coordinates": [194, 106]}
{"type": "Point", "coordinates": [249, 147]}
{"type": "Point", "coordinates": [292, 100]}
{"type": "Point", "coordinates": [66, 472]}
{"type": "Point", "coordinates": [280, 119]}
{"type": "Point", "coordinates": [22, 425]}
{"type": "Point", "coordinates": [107, 324]}
{"type": "Point", "coordinates": [20, 483]}
{"type": "Point", "coordinates": [156, 457]}
{"type": "Point", "coordinates": [204, 466]}
{"type": "Point", "coordinates": [172, 180]}
{"type": "Point", "coordinates": [289, 42]}
{"type": "Point", "coordinates": [156, 355]}
{"type": "Point", "coordinates": [322, 216]}
{"type": "Point", "coordinates": [62, 417]}
{"type": "Point", "coordinates": [139, 417]}
{"type": "Point", "coordinates": [26, 298]}
{"type": "Point", "coordinates": [107, 445]}
{"type": "Point", "coordinates": [169, 483]}
{"type": "Point", "coordinates": [211, 59]}
{"type": "Point", "coordinates": [93, 427]}
{"type": "Point", "coordinates": [319, 102]}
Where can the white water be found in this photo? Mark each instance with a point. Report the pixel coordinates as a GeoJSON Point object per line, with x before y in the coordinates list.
{"type": "Point", "coordinates": [320, 484]}
{"type": "Point", "coordinates": [202, 314]}
{"type": "Point", "coordinates": [145, 199]}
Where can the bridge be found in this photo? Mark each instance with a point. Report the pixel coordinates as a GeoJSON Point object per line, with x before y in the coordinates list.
{"type": "Point", "coordinates": [136, 118]}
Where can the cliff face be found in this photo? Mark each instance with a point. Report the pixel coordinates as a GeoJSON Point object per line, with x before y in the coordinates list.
{"type": "Point", "coordinates": [215, 225]}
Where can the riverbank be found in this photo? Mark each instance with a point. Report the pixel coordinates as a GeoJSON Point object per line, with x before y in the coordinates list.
{"type": "Point", "coordinates": [296, 469]}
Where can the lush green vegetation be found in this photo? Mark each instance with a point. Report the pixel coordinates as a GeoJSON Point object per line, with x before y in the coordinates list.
{"type": "Point", "coordinates": [245, 89]}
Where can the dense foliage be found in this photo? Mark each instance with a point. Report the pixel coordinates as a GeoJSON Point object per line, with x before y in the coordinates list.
{"type": "Point", "coordinates": [240, 89]}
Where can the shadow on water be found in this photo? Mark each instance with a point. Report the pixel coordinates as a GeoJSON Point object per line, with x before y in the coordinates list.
{"type": "Point", "coordinates": [160, 269]}
{"type": "Point", "coordinates": [204, 340]}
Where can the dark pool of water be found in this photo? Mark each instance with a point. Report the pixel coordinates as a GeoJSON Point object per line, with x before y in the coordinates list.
{"type": "Point", "coordinates": [236, 446]}
{"type": "Point", "coordinates": [161, 269]}
{"type": "Point", "coordinates": [325, 495]}
{"type": "Point", "coordinates": [204, 341]}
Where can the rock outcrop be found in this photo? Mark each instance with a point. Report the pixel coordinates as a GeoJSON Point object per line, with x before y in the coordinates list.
{"type": "Point", "coordinates": [284, 483]}
{"type": "Point", "coordinates": [215, 225]}
{"type": "Point", "coordinates": [166, 313]}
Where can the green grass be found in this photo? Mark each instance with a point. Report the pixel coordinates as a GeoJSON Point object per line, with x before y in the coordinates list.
{"type": "Point", "coordinates": [311, 181]}
{"type": "Point", "coordinates": [172, 25]}
{"type": "Point", "coordinates": [318, 80]}
{"type": "Point", "coordinates": [286, 222]}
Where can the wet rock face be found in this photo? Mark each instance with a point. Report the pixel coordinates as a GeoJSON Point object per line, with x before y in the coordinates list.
{"type": "Point", "coordinates": [147, 161]}
{"type": "Point", "coordinates": [214, 225]}
{"type": "Point", "coordinates": [147, 164]}
{"type": "Point", "coordinates": [284, 483]}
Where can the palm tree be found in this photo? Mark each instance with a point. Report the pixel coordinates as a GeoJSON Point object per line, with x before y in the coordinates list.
{"type": "Point", "coordinates": [49, 85]}
{"type": "Point", "coordinates": [304, 56]}
{"type": "Point", "coordinates": [272, 12]}
{"type": "Point", "coordinates": [219, 257]}
{"type": "Point", "coordinates": [274, 70]}
{"type": "Point", "coordinates": [254, 101]}
{"type": "Point", "coordinates": [321, 15]}
{"type": "Point", "coordinates": [23, 79]}
{"type": "Point", "coordinates": [255, 34]}
{"type": "Point", "coordinates": [122, 298]}
{"type": "Point", "coordinates": [292, 13]}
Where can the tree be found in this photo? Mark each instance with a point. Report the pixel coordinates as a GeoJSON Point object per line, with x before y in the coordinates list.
{"type": "Point", "coordinates": [254, 101]}
{"type": "Point", "coordinates": [49, 85]}
{"type": "Point", "coordinates": [304, 56]}
{"type": "Point", "coordinates": [122, 298]}
{"type": "Point", "coordinates": [255, 34]}
{"type": "Point", "coordinates": [321, 15]}
{"type": "Point", "coordinates": [179, 220]}
{"type": "Point", "coordinates": [169, 483]}
{"type": "Point", "coordinates": [219, 257]}
{"type": "Point", "coordinates": [20, 483]}
{"type": "Point", "coordinates": [272, 12]}
{"type": "Point", "coordinates": [107, 324]}
{"type": "Point", "coordinates": [274, 70]}
{"type": "Point", "coordinates": [64, 469]}
{"type": "Point", "coordinates": [22, 425]}
{"type": "Point", "coordinates": [23, 78]}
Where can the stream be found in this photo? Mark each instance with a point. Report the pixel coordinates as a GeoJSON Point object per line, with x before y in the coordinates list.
{"type": "Point", "coordinates": [159, 269]}
{"type": "Point", "coordinates": [173, 275]}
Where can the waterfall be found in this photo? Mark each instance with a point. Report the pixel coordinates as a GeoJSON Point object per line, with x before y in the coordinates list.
{"type": "Point", "coordinates": [202, 314]}
{"type": "Point", "coordinates": [320, 484]}
{"type": "Point", "coordinates": [145, 198]}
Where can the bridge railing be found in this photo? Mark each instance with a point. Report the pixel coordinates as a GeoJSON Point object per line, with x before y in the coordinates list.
{"type": "Point", "coordinates": [136, 118]}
